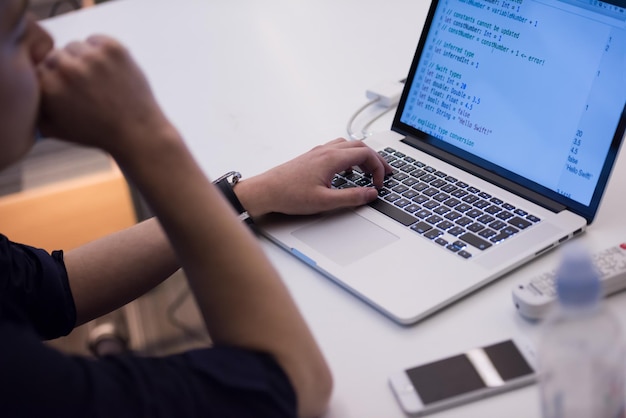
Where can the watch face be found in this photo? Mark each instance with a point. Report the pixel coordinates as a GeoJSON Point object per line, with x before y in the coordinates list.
{"type": "Point", "coordinates": [232, 177]}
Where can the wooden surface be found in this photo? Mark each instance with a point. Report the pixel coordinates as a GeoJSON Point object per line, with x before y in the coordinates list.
{"type": "Point", "coordinates": [69, 213]}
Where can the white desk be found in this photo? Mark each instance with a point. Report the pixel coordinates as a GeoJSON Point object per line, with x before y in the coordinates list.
{"type": "Point", "coordinates": [251, 84]}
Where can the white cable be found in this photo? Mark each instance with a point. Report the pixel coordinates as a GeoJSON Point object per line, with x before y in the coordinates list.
{"type": "Point", "coordinates": [387, 95]}
{"type": "Point", "coordinates": [351, 133]}
{"type": "Point", "coordinates": [364, 130]}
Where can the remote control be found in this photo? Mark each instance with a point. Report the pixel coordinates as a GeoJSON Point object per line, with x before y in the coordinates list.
{"type": "Point", "coordinates": [533, 298]}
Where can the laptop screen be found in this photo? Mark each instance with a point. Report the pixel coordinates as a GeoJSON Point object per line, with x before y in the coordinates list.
{"type": "Point", "coordinates": [533, 90]}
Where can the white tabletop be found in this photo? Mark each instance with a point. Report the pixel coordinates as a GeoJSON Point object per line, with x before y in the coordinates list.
{"type": "Point", "coordinates": [251, 84]}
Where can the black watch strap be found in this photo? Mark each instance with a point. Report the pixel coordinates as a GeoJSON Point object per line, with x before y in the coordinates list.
{"type": "Point", "coordinates": [226, 183]}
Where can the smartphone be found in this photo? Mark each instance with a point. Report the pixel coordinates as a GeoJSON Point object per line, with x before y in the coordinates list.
{"type": "Point", "coordinates": [459, 379]}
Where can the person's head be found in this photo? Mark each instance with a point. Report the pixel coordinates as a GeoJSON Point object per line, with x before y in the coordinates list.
{"type": "Point", "coordinates": [23, 45]}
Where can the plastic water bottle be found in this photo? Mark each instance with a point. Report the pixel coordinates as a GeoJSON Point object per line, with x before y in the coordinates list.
{"type": "Point", "coordinates": [581, 353]}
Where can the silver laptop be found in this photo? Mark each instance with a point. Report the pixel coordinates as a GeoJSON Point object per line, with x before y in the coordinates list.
{"type": "Point", "coordinates": [508, 127]}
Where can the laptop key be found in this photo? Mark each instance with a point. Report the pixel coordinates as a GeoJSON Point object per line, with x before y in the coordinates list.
{"type": "Point", "coordinates": [410, 194]}
{"type": "Point", "coordinates": [473, 213]}
{"type": "Point", "coordinates": [464, 221]}
{"type": "Point", "coordinates": [504, 215]}
{"type": "Point", "coordinates": [485, 219]}
{"type": "Point", "coordinates": [423, 213]}
{"type": "Point", "coordinates": [462, 207]}
{"type": "Point", "coordinates": [441, 241]}
{"type": "Point", "coordinates": [420, 199]}
{"type": "Point", "coordinates": [433, 233]}
{"type": "Point", "coordinates": [452, 202]}
{"type": "Point", "coordinates": [459, 193]}
{"type": "Point", "coordinates": [452, 216]}
{"type": "Point", "coordinates": [412, 208]}
{"type": "Point", "coordinates": [492, 209]}
{"type": "Point", "coordinates": [352, 176]}
{"type": "Point", "coordinates": [434, 219]}
{"type": "Point", "coordinates": [418, 173]}
{"type": "Point", "coordinates": [400, 176]}
{"type": "Point", "coordinates": [445, 225]}
{"type": "Point", "coordinates": [440, 197]}
{"type": "Point", "coordinates": [402, 203]}
{"type": "Point", "coordinates": [410, 181]}
{"type": "Point", "coordinates": [401, 188]}
{"type": "Point", "coordinates": [398, 163]}
{"type": "Point", "coordinates": [510, 230]}
{"type": "Point", "coordinates": [393, 212]}
{"type": "Point", "coordinates": [459, 244]}
{"type": "Point", "coordinates": [420, 186]}
{"type": "Point", "coordinates": [475, 241]}
{"type": "Point", "coordinates": [363, 182]}
{"type": "Point", "coordinates": [391, 183]}
{"type": "Point", "coordinates": [475, 227]}
{"type": "Point", "coordinates": [500, 237]}
{"type": "Point", "coordinates": [497, 225]}
{"type": "Point", "coordinates": [441, 210]}
{"type": "Point", "coordinates": [519, 222]}
{"type": "Point", "coordinates": [508, 206]}
{"type": "Point", "coordinates": [452, 248]}
{"type": "Point", "coordinates": [421, 227]}
{"type": "Point", "coordinates": [338, 181]}
{"type": "Point", "coordinates": [456, 231]}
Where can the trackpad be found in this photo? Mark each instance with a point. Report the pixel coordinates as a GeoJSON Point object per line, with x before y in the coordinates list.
{"type": "Point", "coordinates": [345, 237]}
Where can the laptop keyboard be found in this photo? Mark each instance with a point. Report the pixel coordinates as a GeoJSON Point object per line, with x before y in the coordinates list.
{"type": "Point", "coordinates": [441, 208]}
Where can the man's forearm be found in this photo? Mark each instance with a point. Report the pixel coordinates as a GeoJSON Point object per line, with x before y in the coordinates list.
{"type": "Point", "coordinates": [112, 271]}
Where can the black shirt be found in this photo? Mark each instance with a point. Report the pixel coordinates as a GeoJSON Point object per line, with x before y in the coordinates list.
{"type": "Point", "coordinates": [36, 380]}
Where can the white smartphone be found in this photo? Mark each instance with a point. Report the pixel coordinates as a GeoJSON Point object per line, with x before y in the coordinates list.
{"type": "Point", "coordinates": [475, 374]}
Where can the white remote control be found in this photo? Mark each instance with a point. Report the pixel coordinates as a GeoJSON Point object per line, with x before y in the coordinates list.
{"type": "Point", "coordinates": [533, 298]}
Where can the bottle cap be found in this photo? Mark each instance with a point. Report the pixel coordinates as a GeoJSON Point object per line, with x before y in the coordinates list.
{"type": "Point", "coordinates": [577, 279]}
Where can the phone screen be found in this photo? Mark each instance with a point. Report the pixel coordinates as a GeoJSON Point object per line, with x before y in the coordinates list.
{"type": "Point", "coordinates": [488, 366]}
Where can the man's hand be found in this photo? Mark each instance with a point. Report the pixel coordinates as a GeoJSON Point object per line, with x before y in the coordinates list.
{"type": "Point", "coordinates": [93, 93]}
{"type": "Point", "coordinates": [303, 185]}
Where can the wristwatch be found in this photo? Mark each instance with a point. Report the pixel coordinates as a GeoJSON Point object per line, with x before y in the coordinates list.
{"type": "Point", "coordinates": [226, 183]}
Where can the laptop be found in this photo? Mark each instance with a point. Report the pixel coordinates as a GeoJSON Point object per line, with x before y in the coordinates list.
{"type": "Point", "coordinates": [509, 124]}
